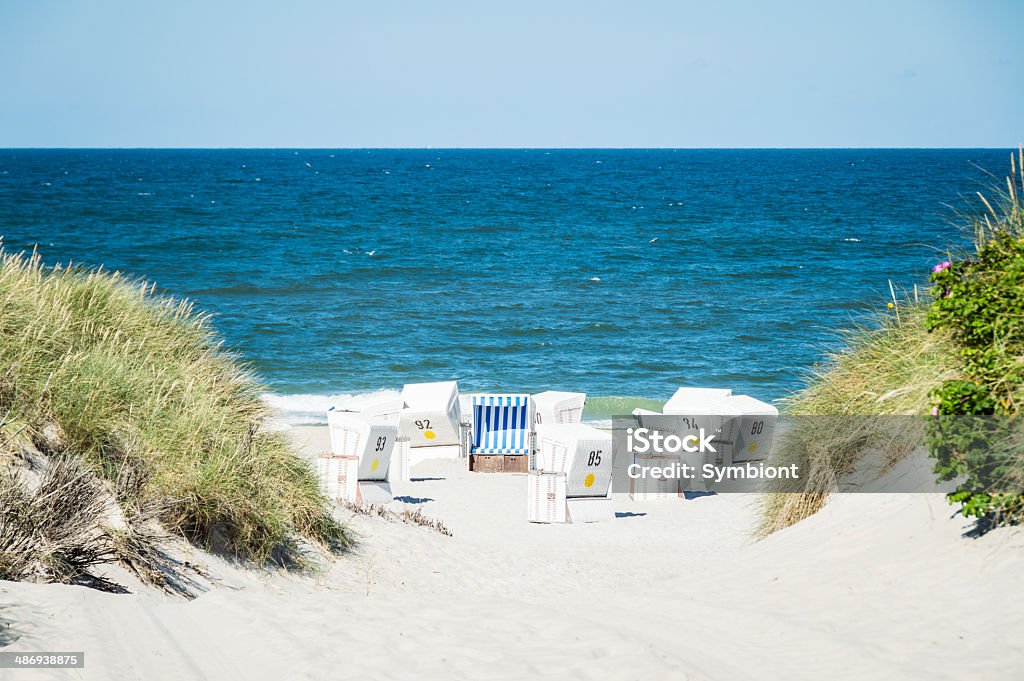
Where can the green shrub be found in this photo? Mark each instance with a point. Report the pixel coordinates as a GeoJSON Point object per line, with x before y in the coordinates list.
{"type": "Point", "coordinates": [979, 302]}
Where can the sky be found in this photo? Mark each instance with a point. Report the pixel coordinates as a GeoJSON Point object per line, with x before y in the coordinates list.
{"type": "Point", "coordinates": [554, 73]}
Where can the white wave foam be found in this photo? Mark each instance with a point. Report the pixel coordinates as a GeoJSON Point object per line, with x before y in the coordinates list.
{"type": "Point", "coordinates": [308, 409]}
{"type": "Point", "coordinates": [305, 409]}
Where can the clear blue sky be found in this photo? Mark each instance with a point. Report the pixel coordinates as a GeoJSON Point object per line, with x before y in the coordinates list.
{"type": "Point", "coordinates": [456, 73]}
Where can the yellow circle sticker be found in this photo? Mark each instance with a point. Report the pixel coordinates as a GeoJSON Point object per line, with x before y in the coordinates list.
{"type": "Point", "coordinates": [373, 466]}
{"type": "Point", "coordinates": [429, 434]}
{"type": "Point", "coordinates": [589, 480]}
{"type": "Point", "coordinates": [752, 447]}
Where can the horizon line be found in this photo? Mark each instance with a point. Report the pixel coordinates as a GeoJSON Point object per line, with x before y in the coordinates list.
{"type": "Point", "coordinates": [492, 148]}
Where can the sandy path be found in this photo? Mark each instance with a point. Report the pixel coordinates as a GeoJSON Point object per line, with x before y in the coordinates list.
{"type": "Point", "coordinates": [874, 586]}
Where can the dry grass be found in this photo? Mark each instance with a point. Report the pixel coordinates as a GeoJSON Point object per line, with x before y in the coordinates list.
{"type": "Point", "coordinates": [51, 531]}
{"type": "Point", "coordinates": [1003, 211]}
{"type": "Point", "coordinates": [407, 516]}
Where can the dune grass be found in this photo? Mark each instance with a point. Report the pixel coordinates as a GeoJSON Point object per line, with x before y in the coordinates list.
{"type": "Point", "coordinates": [890, 367]}
{"type": "Point", "coordinates": [905, 363]}
{"type": "Point", "coordinates": [138, 386]}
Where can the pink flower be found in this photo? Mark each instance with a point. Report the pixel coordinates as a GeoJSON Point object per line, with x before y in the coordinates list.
{"type": "Point", "coordinates": [935, 411]}
{"type": "Point", "coordinates": [942, 266]}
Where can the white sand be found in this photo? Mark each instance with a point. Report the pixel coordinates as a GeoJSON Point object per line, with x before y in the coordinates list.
{"type": "Point", "coordinates": [875, 586]}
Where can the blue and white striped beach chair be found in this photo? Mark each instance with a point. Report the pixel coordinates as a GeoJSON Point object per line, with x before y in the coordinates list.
{"type": "Point", "coordinates": [502, 424]}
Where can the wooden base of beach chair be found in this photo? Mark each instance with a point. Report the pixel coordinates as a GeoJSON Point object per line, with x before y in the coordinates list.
{"type": "Point", "coordinates": [499, 463]}
{"type": "Point", "coordinates": [518, 463]}
{"type": "Point", "coordinates": [486, 463]}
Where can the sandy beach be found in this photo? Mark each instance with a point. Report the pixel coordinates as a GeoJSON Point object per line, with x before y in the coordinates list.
{"type": "Point", "coordinates": [333, 334]}
{"type": "Point", "coordinates": [874, 584]}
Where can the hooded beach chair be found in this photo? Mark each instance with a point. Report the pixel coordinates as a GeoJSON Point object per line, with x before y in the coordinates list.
{"type": "Point", "coordinates": [701, 409]}
{"type": "Point", "coordinates": [388, 409]}
{"type": "Point", "coordinates": [573, 480]}
{"type": "Point", "coordinates": [431, 419]}
{"type": "Point", "coordinates": [743, 426]}
{"type": "Point", "coordinates": [502, 432]}
{"type": "Point", "coordinates": [689, 396]}
{"type": "Point", "coordinates": [552, 406]}
{"type": "Point", "coordinates": [689, 410]}
{"type": "Point", "coordinates": [654, 488]}
{"type": "Point", "coordinates": [359, 465]}
{"type": "Point", "coordinates": [749, 427]}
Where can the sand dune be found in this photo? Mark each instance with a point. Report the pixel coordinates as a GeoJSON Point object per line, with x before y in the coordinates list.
{"type": "Point", "coordinates": [875, 586]}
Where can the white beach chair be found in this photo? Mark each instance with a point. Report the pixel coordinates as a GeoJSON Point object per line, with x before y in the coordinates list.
{"type": "Point", "coordinates": [388, 409]}
{"type": "Point", "coordinates": [701, 409]}
{"type": "Point", "coordinates": [573, 482]}
{"type": "Point", "coordinates": [658, 488]}
{"type": "Point", "coordinates": [687, 396]}
{"type": "Point", "coordinates": [750, 428]}
{"type": "Point", "coordinates": [552, 406]}
{"type": "Point", "coordinates": [688, 412]}
{"type": "Point", "coordinates": [743, 427]}
{"type": "Point", "coordinates": [431, 419]}
{"type": "Point", "coordinates": [365, 443]}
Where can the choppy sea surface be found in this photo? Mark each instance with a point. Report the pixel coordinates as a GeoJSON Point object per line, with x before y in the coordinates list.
{"type": "Point", "coordinates": [621, 273]}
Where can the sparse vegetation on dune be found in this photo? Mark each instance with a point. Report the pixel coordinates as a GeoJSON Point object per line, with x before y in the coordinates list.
{"type": "Point", "coordinates": [51, 530]}
{"type": "Point", "coordinates": [96, 368]}
{"type": "Point", "coordinates": [959, 353]}
{"type": "Point", "coordinates": [408, 516]}
{"type": "Point", "coordinates": [890, 368]}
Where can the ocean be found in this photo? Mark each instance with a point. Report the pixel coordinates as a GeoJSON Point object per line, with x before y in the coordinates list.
{"type": "Point", "coordinates": [620, 273]}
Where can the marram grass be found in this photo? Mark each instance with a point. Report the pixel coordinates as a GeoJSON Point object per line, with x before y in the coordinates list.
{"type": "Point", "coordinates": [889, 368]}
{"type": "Point", "coordinates": [135, 381]}
{"type": "Point", "coordinates": [892, 367]}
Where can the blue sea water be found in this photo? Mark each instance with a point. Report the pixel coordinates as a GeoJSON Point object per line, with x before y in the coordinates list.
{"type": "Point", "coordinates": [621, 273]}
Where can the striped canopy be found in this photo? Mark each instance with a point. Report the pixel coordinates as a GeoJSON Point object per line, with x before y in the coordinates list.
{"type": "Point", "coordinates": [501, 424]}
